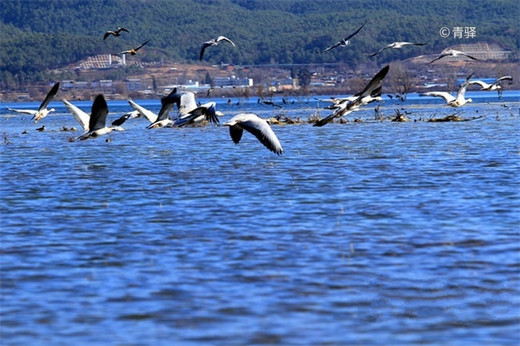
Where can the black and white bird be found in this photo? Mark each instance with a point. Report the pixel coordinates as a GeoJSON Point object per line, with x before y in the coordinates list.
{"type": "Point", "coordinates": [163, 118]}
{"type": "Point", "coordinates": [134, 50]}
{"type": "Point", "coordinates": [42, 111]}
{"type": "Point", "coordinates": [115, 33]}
{"type": "Point", "coordinates": [453, 53]}
{"type": "Point", "coordinates": [213, 42]}
{"type": "Point", "coordinates": [148, 114]}
{"type": "Point", "coordinates": [346, 41]}
{"type": "Point", "coordinates": [256, 126]}
{"type": "Point", "coordinates": [97, 121]}
{"type": "Point", "coordinates": [496, 85]}
{"type": "Point", "coordinates": [190, 113]}
{"type": "Point", "coordinates": [451, 100]}
{"type": "Point", "coordinates": [371, 90]}
{"type": "Point", "coordinates": [396, 45]}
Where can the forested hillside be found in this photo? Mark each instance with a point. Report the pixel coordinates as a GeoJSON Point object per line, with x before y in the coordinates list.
{"type": "Point", "coordinates": [40, 35]}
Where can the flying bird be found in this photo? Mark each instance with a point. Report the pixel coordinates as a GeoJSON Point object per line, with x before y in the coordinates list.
{"type": "Point", "coordinates": [42, 111]}
{"type": "Point", "coordinates": [452, 53]}
{"type": "Point", "coordinates": [134, 50]}
{"type": "Point", "coordinates": [149, 115]}
{"type": "Point", "coordinates": [496, 85]}
{"type": "Point", "coordinates": [346, 41]}
{"type": "Point", "coordinates": [115, 33]}
{"type": "Point", "coordinates": [97, 120]}
{"type": "Point", "coordinates": [213, 42]}
{"type": "Point", "coordinates": [163, 118]}
{"type": "Point", "coordinates": [396, 45]}
{"type": "Point", "coordinates": [371, 90]}
{"type": "Point", "coordinates": [451, 100]}
{"type": "Point", "coordinates": [256, 126]}
{"type": "Point", "coordinates": [81, 117]}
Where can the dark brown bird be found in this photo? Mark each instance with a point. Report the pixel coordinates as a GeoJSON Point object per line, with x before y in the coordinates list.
{"type": "Point", "coordinates": [134, 50]}
{"type": "Point", "coordinates": [115, 33]}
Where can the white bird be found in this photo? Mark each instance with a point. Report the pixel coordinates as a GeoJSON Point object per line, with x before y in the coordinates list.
{"type": "Point", "coordinates": [451, 100]}
{"type": "Point", "coordinates": [136, 113]}
{"type": "Point", "coordinates": [496, 85]}
{"type": "Point", "coordinates": [97, 120]}
{"type": "Point", "coordinates": [346, 41]}
{"type": "Point", "coordinates": [256, 126]}
{"type": "Point", "coordinates": [81, 117]}
{"type": "Point", "coordinates": [340, 102]}
{"type": "Point", "coordinates": [452, 53]}
{"type": "Point", "coordinates": [397, 45]}
{"type": "Point", "coordinates": [213, 42]}
{"type": "Point", "coordinates": [371, 90]}
{"type": "Point", "coordinates": [42, 111]}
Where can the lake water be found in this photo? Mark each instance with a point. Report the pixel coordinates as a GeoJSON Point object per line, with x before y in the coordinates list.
{"type": "Point", "coordinates": [361, 233]}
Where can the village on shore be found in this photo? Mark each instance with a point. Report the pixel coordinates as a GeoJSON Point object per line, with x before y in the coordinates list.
{"type": "Point", "coordinates": [119, 77]}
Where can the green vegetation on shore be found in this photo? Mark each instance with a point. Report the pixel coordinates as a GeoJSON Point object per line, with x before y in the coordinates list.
{"type": "Point", "coordinates": [37, 35]}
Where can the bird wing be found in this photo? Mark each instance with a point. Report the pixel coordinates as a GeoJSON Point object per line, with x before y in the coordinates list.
{"type": "Point", "coordinates": [98, 114]}
{"type": "Point", "coordinates": [263, 132]}
{"type": "Point", "coordinates": [446, 96]}
{"type": "Point", "coordinates": [151, 116]}
{"type": "Point", "coordinates": [439, 57]}
{"type": "Point", "coordinates": [332, 47]}
{"type": "Point", "coordinates": [81, 117]}
{"type": "Point", "coordinates": [121, 120]}
{"type": "Point", "coordinates": [122, 29]}
{"type": "Point", "coordinates": [379, 51]}
{"type": "Point", "coordinates": [136, 49]}
{"type": "Point", "coordinates": [203, 48]}
{"type": "Point", "coordinates": [480, 83]}
{"type": "Point", "coordinates": [167, 103]}
{"type": "Point", "coordinates": [210, 112]}
{"type": "Point", "coordinates": [187, 102]}
{"type": "Point", "coordinates": [108, 33]}
{"type": "Point", "coordinates": [49, 96]}
{"type": "Point", "coordinates": [355, 32]}
{"type": "Point", "coordinates": [374, 84]}
{"type": "Point", "coordinates": [224, 38]}
{"type": "Point", "coordinates": [462, 89]}
{"type": "Point", "coordinates": [469, 56]}
{"type": "Point", "coordinates": [236, 132]}
{"type": "Point", "coordinates": [499, 80]}
{"type": "Point", "coordinates": [23, 111]}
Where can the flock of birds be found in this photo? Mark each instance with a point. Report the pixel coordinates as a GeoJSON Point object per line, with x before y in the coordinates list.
{"type": "Point", "coordinates": [190, 112]}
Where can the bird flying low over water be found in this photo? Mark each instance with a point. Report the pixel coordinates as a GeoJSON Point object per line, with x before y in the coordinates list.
{"type": "Point", "coordinates": [396, 45]}
{"type": "Point", "coordinates": [115, 33]}
{"type": "Point", "coordinates": [81, 117]}
{"type": "Point", "coordinates": [213, 42]}
{"type": "Point", "coordinates": [453, 53]}
{"type": "Point", "coordinates": [163, 118]}
{"type": "Point", "coordinates": [256, 126]}
{"type": "Point", "coordinates": [134, 50]}
{"type": "Point", "coordinates": [97, 121]}
{"type": "Point", "coordinates": [372, 89]}
{"type": "Point", "coordinates": [452, 101]}
{"type": "Point", "coordinates": [346, 41]}
{"type": "Point", "coordinates": [42, 111]}
{"type": "Point", "coordinates": [496, 85]}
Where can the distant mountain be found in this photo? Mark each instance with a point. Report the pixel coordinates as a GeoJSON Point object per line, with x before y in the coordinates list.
{"type": "Point", "coordinates": [40, 35]}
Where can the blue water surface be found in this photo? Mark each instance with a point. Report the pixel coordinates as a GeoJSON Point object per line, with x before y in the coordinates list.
{"type": "Point", "coordinates": [369, 232]}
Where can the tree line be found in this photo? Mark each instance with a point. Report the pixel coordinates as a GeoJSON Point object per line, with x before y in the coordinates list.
{"type": "Point", "coordinates": [41, 35]}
